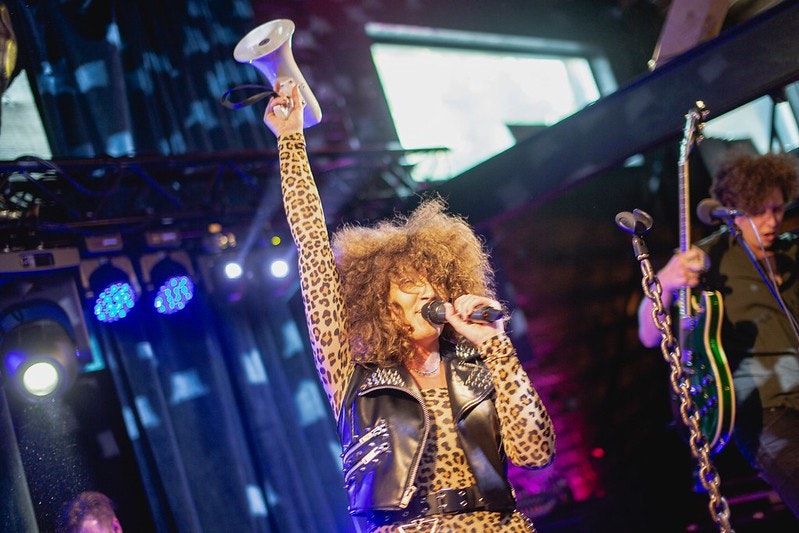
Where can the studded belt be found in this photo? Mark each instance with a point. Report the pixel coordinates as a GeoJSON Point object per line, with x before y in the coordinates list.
{"type": "Point", "coordinates": [443, 501]}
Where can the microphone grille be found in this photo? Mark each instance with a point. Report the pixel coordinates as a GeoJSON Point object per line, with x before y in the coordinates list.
{"type": "Point", "coordinates": [433, 311]}
{"type": "Point", "coordinates": [704, 211]}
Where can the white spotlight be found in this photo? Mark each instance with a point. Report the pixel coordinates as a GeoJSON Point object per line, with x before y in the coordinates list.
{"type": "Point", "coordinates": [233, 270]}
{"type": "Point", "coordinates": [279, 268]}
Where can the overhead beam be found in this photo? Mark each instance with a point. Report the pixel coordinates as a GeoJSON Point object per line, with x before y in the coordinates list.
{"type": "Point", "coordinates": [740, 65]}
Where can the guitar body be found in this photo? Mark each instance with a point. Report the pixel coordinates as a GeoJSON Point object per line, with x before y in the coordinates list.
{"type": "Point", "coordinates": [708, 371]}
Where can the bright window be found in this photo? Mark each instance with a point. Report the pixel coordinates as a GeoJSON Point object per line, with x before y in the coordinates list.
{"type": "Point", "coordinates": [478, 94]}
{"type": "Point", "coordinates": [770, 126]}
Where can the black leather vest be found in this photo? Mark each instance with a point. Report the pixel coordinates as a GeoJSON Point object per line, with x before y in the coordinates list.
{"type": "Point", "coordinates": [384, 425]}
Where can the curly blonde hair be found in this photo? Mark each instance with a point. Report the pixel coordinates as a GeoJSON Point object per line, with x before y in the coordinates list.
{"type": "Point", "coordinates": [744, 180]}
{"type": "Point", "coordinates": [440, 246]}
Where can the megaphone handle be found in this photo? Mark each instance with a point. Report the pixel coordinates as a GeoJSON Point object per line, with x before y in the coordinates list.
{"type": "Point", "coordinates": [284, 87]}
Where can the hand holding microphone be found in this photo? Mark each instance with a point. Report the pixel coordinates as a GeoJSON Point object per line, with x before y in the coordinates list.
{"type": "Point", "coordinates": [477, 318]}
{"type": "Point", "coordinates": [434, 312]}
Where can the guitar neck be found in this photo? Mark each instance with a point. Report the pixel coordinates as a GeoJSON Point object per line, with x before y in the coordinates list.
{"type": "Point", "coordinates": [684, 206]}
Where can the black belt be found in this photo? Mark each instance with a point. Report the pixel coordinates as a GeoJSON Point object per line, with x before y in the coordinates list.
{"type": "Point", "coordinates": [444, 501]}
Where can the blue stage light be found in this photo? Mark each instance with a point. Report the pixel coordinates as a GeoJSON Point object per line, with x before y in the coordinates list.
{"type": "Point", "coordinates": [172, 285]}
{"type": "Point", "coordinates": [115, 296]}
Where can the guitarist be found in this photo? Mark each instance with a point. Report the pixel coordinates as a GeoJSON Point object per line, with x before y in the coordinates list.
{"type": "Point", "coordinates": [755, 269]}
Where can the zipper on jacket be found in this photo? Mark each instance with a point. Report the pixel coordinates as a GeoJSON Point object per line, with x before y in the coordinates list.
{"type": "Point", "coordinates": [410, 488]}
{"type": "Point", "coordinates": [407, 495]}
{"type": "Point", "coordinates": [367, 458]}
{"type": "Point", "coordinates": [379, 428]}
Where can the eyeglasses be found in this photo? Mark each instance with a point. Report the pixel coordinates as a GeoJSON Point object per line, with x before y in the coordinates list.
{"type": "Point", "coordinates": [409, 285]}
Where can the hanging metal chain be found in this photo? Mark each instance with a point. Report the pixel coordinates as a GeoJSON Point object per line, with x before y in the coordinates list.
{"type": "Point", "coordinates": [700, 448]}
{"type": "Point", "coordinates": [638, 223]}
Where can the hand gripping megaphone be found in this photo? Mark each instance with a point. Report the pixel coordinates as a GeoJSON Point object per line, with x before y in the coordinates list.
{"type": "Point", "coordinates": [268, 48]}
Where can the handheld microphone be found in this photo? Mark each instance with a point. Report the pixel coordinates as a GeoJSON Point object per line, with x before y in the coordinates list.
{"type": "Point", "coordinates": [433, 311]}
{"type": "Point", "coordinates": [712, 213]}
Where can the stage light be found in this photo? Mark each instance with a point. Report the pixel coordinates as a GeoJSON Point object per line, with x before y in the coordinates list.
{"type": "Point", "coordinates": [224, 275]}
{"type": "Point", "coordinates": [40, 358]}
{"type": "Point", "coordinates": [112, 285]}
{"type": "Point", "coordinates": [279, 268]}
{"type": "Point", "coordinates": [115, 295]}
{"type": "Point", "coordinates": [277, 257]}
{"type": "Point", "coordinates": [168, 277]}
{"type": "Point", "coordinates": [175, 287]}
{"type": "Point", "coordinates": [217, 239]}
{"type": "Point", "coordinates": [222, 269]}
{"type": "Point", "coordinates": [233, 270]}
{"type": "Point", "coordinates": [43, 338]}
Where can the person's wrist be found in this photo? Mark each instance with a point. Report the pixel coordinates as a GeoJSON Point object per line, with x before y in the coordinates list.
{"type": "Point", "coordinates": [288, 133]}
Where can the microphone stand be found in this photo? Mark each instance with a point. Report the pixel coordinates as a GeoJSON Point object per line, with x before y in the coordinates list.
{"type": "Point", "coordinates": [768, 280]}
{"type": "Point", "coordinates": [639, 223]}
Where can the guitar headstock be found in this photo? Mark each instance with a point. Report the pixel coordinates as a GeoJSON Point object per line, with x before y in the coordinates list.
{"type": "Point", "coordinates": [692, 132]}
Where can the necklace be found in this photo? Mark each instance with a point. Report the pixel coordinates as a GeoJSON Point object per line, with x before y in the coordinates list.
{"type": "Point", "coordinates": [432, 372]}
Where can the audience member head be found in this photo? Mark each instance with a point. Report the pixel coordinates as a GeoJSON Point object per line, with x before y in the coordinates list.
{"type": "Point", "coordinates": [89, 512]}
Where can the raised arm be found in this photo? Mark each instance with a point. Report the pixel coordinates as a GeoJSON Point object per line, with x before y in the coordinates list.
{"type": "Point", "coordinates": [319, 276]}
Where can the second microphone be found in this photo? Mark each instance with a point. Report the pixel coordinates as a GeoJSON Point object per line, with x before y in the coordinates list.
{"type": "Point", "coordinates": [433, 311]}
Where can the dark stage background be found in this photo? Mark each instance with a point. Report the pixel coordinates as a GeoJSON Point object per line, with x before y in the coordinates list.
{"type": "Point", "coordinates": [212, 419]}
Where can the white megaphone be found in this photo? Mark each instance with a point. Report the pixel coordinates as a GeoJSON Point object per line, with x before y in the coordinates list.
{"type": "Point", "coordinates": [268, 48]}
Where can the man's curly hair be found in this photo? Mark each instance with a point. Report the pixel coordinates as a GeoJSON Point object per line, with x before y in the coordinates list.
{"type": "Point", "coordinates": [743, 180]}
{"type": "Point", "coordinates": [440, 246]}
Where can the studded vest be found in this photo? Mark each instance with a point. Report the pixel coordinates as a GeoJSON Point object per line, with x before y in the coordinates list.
{"type": "Point", "coordinates": [384, 426]}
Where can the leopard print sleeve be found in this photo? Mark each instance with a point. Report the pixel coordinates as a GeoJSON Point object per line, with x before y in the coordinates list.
{"type": "Point", "coordinates": [527, 432]}
{"type": "Point", "coordinates": [319, 277]}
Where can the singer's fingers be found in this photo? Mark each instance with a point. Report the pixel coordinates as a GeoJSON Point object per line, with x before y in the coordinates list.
{"type": "Point", "coordinates": [270, 105]}
{"type": "Point", "coordinates": [466, 304]}
{"type": "Point", "coordinates": [296, 95]}
{"type": "Point", "coordinates": [276, 101]}
{"type": "Point", "coordinates": [475, 332]}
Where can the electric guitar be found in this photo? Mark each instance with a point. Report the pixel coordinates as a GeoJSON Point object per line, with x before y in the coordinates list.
{"type": "Point", "coordinates": [703, 359]}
